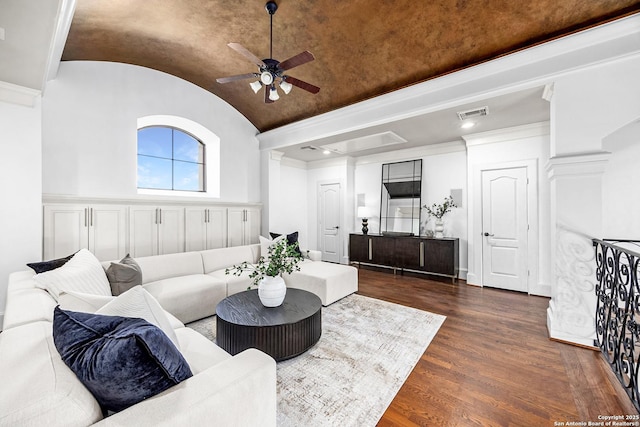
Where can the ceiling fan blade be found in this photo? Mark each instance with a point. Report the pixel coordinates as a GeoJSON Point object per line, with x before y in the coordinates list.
{"type": "Point", "coordinates": [266, 96]}
{"type": "Point", "coordinates": [302, 85]}
{"type": "Point", "coordinates": [237, 77]}
{"type": "Point", "coordinates": [244, 52]}
{"type": "Point", "coordinates": [294, 61]}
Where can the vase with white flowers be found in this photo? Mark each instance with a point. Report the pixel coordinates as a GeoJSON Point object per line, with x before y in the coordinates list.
{"type": "Point", "coordinates": [267, 272]}
{"type": "Point", "coordinates": [438, 211]}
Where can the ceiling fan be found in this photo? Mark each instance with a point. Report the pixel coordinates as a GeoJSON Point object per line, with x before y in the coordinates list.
{"type": "Point", "coordinates": [270, 70]}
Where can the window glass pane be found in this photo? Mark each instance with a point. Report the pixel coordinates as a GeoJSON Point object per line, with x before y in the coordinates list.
{"type": "Point", "coordinates": [154, 173]}
{"type": "Point", "coordinates": [186, 147]}
{"type": "Point", "coordinates": [188, 176]}
{"type": "Point", "coordinates": [155, 141]}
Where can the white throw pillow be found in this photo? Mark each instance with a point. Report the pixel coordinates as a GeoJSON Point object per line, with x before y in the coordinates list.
{"type": "Point", "coordinates": [82, 273]}
{"type": "Point", "coordinates": [265, 244]}
{"type": "Point", "coordinates": [84, 303]}
{"type": "Point", "coordinates": [137, 302]}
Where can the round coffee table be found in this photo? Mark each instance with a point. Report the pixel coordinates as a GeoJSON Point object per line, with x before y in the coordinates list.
{"type": "Point", "coordinates": [282, 332]}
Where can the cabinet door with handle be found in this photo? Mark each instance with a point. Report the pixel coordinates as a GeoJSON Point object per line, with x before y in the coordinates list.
{"type": "Point", "coordinates": [170, 229]}
{"type": "Point", "coordinates": [66, 230]}
{"type": "Point", "coordinates": [108, 231]}
{"type": "Point", "coordinates": [195, 228]}
{"type": "Point", "coordinates": [143, 231]}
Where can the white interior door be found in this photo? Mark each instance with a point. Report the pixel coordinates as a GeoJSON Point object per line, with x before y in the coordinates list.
{"type": "Point", "coordinates": [329, 222]}
{"type": "Point", "coordinates": [505, 229]}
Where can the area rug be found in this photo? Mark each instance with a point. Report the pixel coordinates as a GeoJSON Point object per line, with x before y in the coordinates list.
{"type": "Point", "coordinates": [367, 350]}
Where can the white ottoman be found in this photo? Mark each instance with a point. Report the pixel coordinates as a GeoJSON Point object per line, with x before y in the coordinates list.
{"type": "Point", "coordinates": [328, 281]}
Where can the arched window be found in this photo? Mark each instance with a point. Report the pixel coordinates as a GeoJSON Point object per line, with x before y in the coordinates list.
{"type": "Point", "coordinates": [193, 147]}
{"type": "Point", "coordinates": [170, 159]}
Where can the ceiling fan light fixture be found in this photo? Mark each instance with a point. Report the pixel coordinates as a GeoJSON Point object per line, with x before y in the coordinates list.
{"type": "Point", "coordinates": [286, 87]}
{"type": "Point", "coordinates": [256, 86]}
{"type": "Point", "coordinates": [273, 94]}
{"type": "Point", "coordinates": [266, 78]}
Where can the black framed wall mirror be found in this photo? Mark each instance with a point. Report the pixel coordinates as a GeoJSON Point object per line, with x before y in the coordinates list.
{"type": "Point", "coordinates": [401, 198]}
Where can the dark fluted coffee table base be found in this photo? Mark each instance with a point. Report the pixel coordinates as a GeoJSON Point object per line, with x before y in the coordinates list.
{"type": "Point", "coordinates": [281, 332]}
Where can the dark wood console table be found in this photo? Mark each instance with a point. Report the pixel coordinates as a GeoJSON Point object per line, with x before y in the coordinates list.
{"type": "Point", "coordinates": [282, 332]}
{"type": "Point", "coordinates": [407, 253]}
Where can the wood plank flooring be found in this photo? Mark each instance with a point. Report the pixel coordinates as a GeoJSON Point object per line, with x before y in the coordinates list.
{"type": "Point", "coordinates": [492, 363]}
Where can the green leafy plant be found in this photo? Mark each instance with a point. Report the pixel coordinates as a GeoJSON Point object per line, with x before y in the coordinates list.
{"type": "Point", "coordinates": [439, 210]}
{"type": "Point", "coordinates": [283, 258]}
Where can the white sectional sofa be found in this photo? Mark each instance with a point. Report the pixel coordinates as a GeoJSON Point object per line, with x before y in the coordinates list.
{"type": "Point", "coordinates": [39, 389]}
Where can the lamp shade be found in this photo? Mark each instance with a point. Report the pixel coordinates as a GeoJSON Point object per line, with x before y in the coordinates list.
{"type": "Point", "coordinates": [255, 86]}
{"type": "Point", "coordinates": [286, 87]}
{"type": "Point", "coordinates": [273, 93]}
{"type": "Point", "coordinates": [363, 212]}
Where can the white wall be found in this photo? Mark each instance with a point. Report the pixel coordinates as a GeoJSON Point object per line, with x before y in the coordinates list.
{"type": "Point", "coordinates": [621, 180]}
{"type": "Point", "coordinates": [20, 190]}
{"type": "Point", "coordinates": [89, 124]}
{"type": "Point", "coordinates": [289, 207]}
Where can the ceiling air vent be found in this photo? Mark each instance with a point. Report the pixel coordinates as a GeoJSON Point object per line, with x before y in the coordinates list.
{"type": "Point", "coordinates": [308, 147]}
{"type": "Point", "coordinates": [476, 112]}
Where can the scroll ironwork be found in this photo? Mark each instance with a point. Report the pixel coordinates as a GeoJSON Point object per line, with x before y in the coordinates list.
{"type": "Point", "coordinates": [618, 310]}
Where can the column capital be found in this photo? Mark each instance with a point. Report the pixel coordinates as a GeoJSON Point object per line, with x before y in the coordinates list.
{"type": "Point", "coordinates": [581, 164]}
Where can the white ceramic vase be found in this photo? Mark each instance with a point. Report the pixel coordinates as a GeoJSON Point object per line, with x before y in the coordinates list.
{"type": "Point", "coordinates": [272, 291]}
{"type": "Point", "coordinates": [439, 229]}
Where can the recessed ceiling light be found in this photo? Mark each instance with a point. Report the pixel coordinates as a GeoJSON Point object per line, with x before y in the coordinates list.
{"type": "Point", "coordinates": [326, 152]}
{"type": "Point", "coordinates": [467, 125]}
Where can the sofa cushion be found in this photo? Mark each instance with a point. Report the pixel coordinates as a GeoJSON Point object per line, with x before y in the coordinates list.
{"type": "Point", "coordinates": [82, 273]}
{"type": "Point", "coordinates": [27, 305]}
{"type": "Point", "coordinates": [121, 360]}
{"type": "Point", "coordinates": [38, 389]}
{"type": "Point", "coordinates": [189, 297]}
{"type": "Point", "coordinates": [328, 281]}
{"type": "Point", "coordinates": [160, 267]}
{"type": "Point", "coordinates": [199, 352]}
{"type": "Point", "coordinates": [235, 283]}
{"type": "Point", "coordinates": [221, 258]}
{"type": "Point", "coordinates": [52, 264]}
{"type": "Point", "coordinates": [124, 275]}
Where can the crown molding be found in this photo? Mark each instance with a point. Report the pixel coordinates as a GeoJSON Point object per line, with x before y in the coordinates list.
{"type": "Point", "coordinates": [508, 134]}
{"type": "Point", "coordinates": [19, 95]}
{"type": "Point", "coordinates": [63, 24]}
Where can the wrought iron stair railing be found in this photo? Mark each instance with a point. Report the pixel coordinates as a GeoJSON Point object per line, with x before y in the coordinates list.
{"type": "Point", "coordinates": [618, 310]}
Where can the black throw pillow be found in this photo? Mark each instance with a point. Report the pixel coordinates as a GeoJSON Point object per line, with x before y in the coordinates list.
{"type": "Point", "coordinates": [121, 360]}
{"type": "Point", "coordinates": [43, 266]}
{"type": "Point", "coordinates": [291, 239]}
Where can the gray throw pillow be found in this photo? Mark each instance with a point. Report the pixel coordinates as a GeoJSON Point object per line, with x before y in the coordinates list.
{"type": "Point", "coordinates": [124, 275]}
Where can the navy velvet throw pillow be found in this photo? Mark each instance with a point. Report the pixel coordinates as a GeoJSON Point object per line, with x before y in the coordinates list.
{"type": "Point", "coordinates": [121, 360]}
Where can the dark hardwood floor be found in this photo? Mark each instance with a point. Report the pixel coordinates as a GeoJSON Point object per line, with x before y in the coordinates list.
{"type": "Point", "coordinates": [492, 363]}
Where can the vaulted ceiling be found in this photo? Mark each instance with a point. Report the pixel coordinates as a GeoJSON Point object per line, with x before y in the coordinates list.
{"type": "Point", "coordinates": [363, 48]}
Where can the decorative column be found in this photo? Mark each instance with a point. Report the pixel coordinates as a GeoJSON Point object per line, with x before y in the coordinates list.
{"type": "Point", "coordinates": [576, 218]}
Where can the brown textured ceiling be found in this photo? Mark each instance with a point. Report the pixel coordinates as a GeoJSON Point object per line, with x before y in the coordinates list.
{"type": "Point", "coordinates": [363, 48]}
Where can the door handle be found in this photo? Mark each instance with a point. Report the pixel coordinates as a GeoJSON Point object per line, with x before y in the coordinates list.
{"type": "Point", "coordinates": [337, 227]}
{"type": "Point", "coordinates": [488, 235]}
